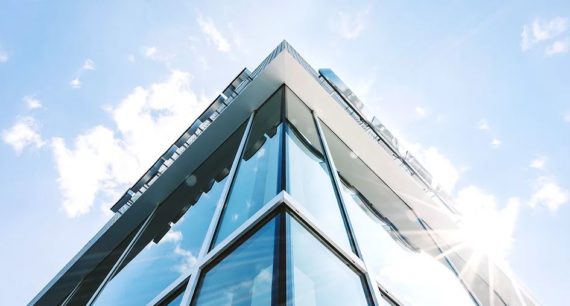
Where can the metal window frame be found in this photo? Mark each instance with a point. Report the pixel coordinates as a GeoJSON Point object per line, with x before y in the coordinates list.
{"type": "Point", "coordinates": [208, 239]}
{"type": "Point", "coordinates": [121, 259]}
{"type": "Point", "coordinates": [372, 289]}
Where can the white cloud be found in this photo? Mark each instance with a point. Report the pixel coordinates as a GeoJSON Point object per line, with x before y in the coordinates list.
{"type": "Point", "coordinates": [538, 162]}
{"type": "Point", "coordinates": [75, 83]}
{"type": "Point", "coordinates": [150, 52]}
{"type": "Point", "coordinates": [88, 65]}
{"type": "Point", "coordinates": [540, 30]}
{"type": "Point", "coordinates": [156, 54]}
{"type": "Point", "coordinates": [349, 26]}
{"type": "Point", "coordinates": [484, 225]}
{"type": "Point", "coordinates": [421, 112]}
{"type": "Point", "coordinates": [189, 260]}
{"type": "Point", "coordinates": [557, 47]}
{"type": "Point", "coordinates": [32, 102]}
{"type": "Point", "coordinates": [496, 142]}
{"type": "Point", "coordinates": [172, 236]}
{"type": "Point", "coordinates": [22, 134]}
{"type": "Point", "coordinates": [3, 56]}
{"type": "Point", "coordinates": [483, 125]}
{"type": "Point", "coordinates": [444, 173]}
{"type": "Point", "coordinates": [104, 161]}
{"type": "Point", "coordinates": [213, 34]}
{"type": "Point", "coordinates": [567, 117]}
{"type": "Point", "coordinates": [548, 193]}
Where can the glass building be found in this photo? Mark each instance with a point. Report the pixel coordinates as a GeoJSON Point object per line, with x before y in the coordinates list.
{"type": "Point", "coordinates": [285, 191]}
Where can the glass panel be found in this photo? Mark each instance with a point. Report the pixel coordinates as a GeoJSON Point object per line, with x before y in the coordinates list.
{"type": "Point", "coordinates": [169, 246]}
{"type": "Point", "coordinates": [412, 276]}
{"type": "Point", "coordinates": [257, 179]}
{"type": "Point", "coordinates": [158, 265]}
{"type": "Point", "coordinates": [309, 182]}
{"type": "Point", "coordinates": [245, 276]}
{"type": "Point", "coordinates": [300, 116]}
{"type": "Point", "coordinates": [315, 276]}
{"type": "Point", "coordinates": [378, 217]}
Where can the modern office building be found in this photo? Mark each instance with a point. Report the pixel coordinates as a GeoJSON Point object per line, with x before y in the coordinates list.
{"type": "Point", "coordinates": [285, 191]}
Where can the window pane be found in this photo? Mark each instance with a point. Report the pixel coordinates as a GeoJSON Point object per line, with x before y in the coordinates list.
{"type": "Point", "coordinates": [169, 245]}
{"type": "Point", "coordinates": [411, 275]}
{"type": "Point", "coordinates": [315, 276]}
{"type": "Point", "coordinates": [309, 182]}
{"type": "Point", "coordinates": [257, 178]}
{"type": "Point", "coordinates": [159, 264]}
{"type": "Point", "coordinates": [245, 276]}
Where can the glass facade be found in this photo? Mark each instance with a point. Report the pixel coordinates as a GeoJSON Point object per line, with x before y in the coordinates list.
{"type": "Point", "coordinates": [291, 257]}
{"type": "Point", "coordinates": [257, 177]}
{"type": "Point", "coordinates": [245, 276]}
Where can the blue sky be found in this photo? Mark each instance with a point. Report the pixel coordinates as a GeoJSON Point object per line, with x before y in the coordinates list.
{"type": "Point", "coordinates": [90, 95]}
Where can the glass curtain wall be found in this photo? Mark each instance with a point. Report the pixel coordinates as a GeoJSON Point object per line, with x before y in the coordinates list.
{"type": "Point", "coordinates": [258, 175]}
{"type": "Point", "coordinates": [169, 245]}
{"type": "Point", "coordinates": [411, 274]}
{"type": "Point", "coordinates": [308, 176]}
{"type": "Point", "coordinates": [271, 267]}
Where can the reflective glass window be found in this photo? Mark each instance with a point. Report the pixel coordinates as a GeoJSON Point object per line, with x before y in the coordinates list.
{"type": "Point", "coordinates": [411, 275]}
{"type": "Point", "coordinates": [308, 176]}
{"type": "Point", "coordinates": [168, 247]}
{"type": "Point", "coordinates": [384, 227]}
{"type": "Point", "coordinates": [316, 276]}
{"type": "Point", "coordinates": [245, 276]}
{"type": "Point", "coordinates": [257, 178]}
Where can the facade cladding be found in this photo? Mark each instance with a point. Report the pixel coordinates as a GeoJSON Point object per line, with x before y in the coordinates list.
{"type": "Point", "coordinates": [284, 191]}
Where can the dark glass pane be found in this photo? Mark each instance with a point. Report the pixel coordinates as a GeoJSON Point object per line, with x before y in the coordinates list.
{"type": "Point", "coordinates": [309, 182]}
{"type": "Point", "coordinates": [159, 264]}
{"type": "Point", "coordinates": [299, 115]}
{"type": "Point", "coordinates": [169, 246]}
{"type": "Point", "coordinates": [257, 177]}
{"type": "Point", "coordinates": [244, 277]}
{"type": "Point", "coordinates": [316, 276]}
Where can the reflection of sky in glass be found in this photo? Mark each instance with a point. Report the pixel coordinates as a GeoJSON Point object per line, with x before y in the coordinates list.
{"type": "Point", "coordinates": [413, 278]}
{"type": "Point", "coordinates": [318, 276]}
{"type": "Point", "coordinates": [254, 185]}
{"type": "Point", "coordinates": [309, 182]}
{"type": "Point", "coordinates": [244, 277]}
{"type": "Point", "coordinates": [157, 265]}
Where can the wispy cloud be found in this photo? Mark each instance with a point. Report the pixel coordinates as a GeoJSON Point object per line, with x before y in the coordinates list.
{"type": "Point", "coordinates": [444, 172]}
{"type": "Point", "coordinates": [544, 30]}
{"type": "Point", "coordinates": [213, 34]}
{"type": "Point", "coordinates": [32, 102]}
{"type": "Point", "coordinates": [347, 25]}
{"type": "Point", "coordinates": [549, 194]}
{"type": "Point", "coordinates": [157, 54]}
{"type": "Point", "coordinates": [88, 65]}
{"type": "Point", "coordinates": [495, 143]}
{"type": "Point", "coordinates": [566, 116]}
{"type": "Point", "coordinates": [3, 56]}
{"type": "Point", "coordinates": [539, 162]}
{"type": "Point", "coordinates": [75, 83]}
{"type": "Point", "coordinates": [103, 161]}
{"type": "Point", "coordinates": [421, 112]}
{"type": "Point", "coordinates": [558, 47]}
{"type": "Point", "coordinates": [24, 133]}
{"type": "Point", "coordinates": [483, 125]}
